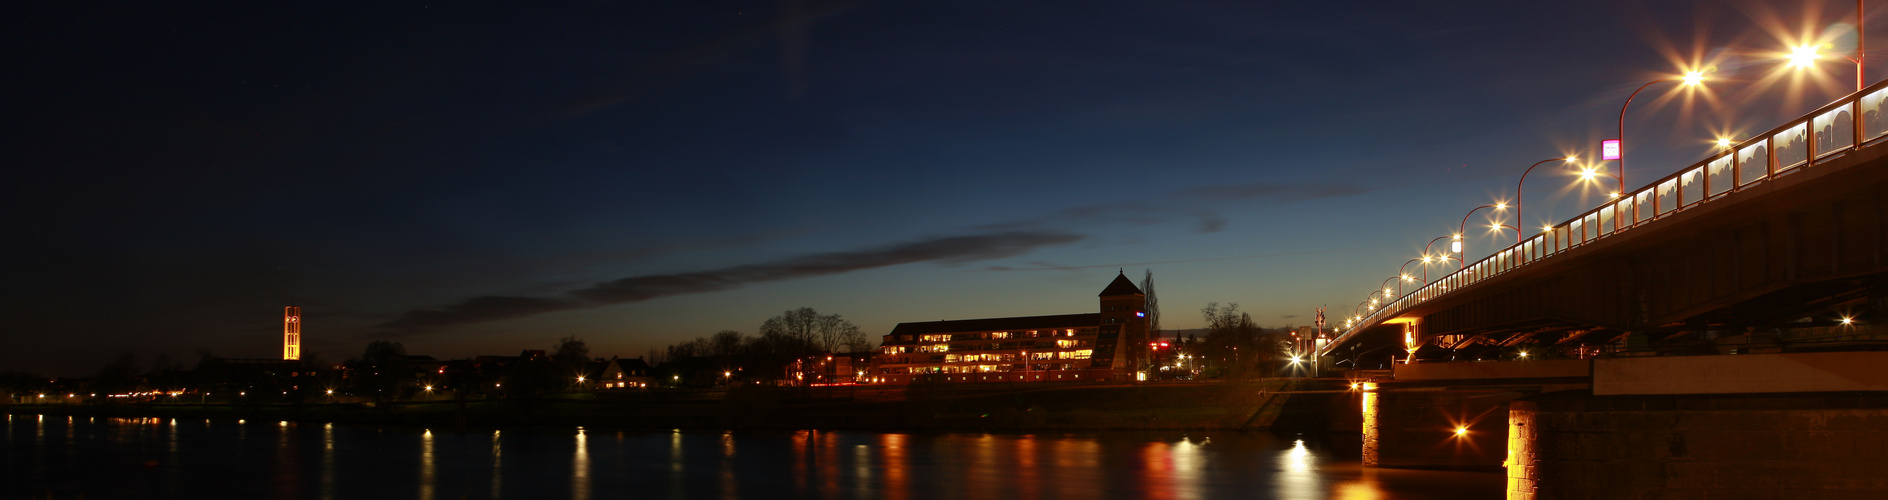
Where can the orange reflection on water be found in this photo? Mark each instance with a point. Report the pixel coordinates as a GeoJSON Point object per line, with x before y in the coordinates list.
{"type": "Point", "coordinates": [426, 465]}
{"type": "Point", "coordinates": [498, 465]}
{"type": "Point", "coordinates": [892, 460]}
{"type": "Point", "coordinates": [800, 439]}
{"type": "Point", "coordinates": [1298, 475]}
{"type": "Point", "coordinates": [730, 484]}
{"type": "Point", "coordinates": [1364, 488]}
{"type": "Point", "coordinates": [1078, 466]}
{"type": "Point", "coordinates": [827, 448]}
{"type": "Point", "coordinates": [988, 478]}
{"type": "Point", "coordinates": [1027, 474]}
{"type": "Point", "coordinates": [580, 468]}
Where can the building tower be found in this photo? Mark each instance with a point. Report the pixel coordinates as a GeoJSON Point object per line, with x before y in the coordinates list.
{"type": "Point", "coordinates": [291, 333]}
{"type": "Point", "coordinates": [1123, 326]}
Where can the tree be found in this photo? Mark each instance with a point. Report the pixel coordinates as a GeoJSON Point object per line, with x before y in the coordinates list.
{"type": "Point", "coordinates": [571, 351]}
{"type": "Point", "coordinates": [1153, 304]}
{"type": "Point", "coordinates": [1231, 346]}
{"type": "Point", "coordinates": [383, 369]}
{"type": "Point", "coordinates": [830, 332]}
{"type": "Point", "coordinates": [725, 343]}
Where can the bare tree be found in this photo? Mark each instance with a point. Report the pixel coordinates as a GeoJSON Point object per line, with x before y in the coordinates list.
{"type": "Point", "coordinates": [828, 332]}
{"type": "Point", "coordinates": [725, 343]}
{"type": "Point", "coordinates": [1153, 304]}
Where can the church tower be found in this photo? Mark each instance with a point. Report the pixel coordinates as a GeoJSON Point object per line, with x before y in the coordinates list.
{"type": "Point", "coordinates": [291, 333]}
{"type": "Point", "coordinates": [1123, 325]}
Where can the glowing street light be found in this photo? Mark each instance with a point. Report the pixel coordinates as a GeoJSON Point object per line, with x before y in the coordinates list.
{"type": "Point", "coordinates": [1693, 78]}
{"type": "Point", "coordinates": [1463, 227]}
{"type": "Point", "coordinates": [1523, 182]}
{"type": "Point", "coordinates": [1461, 431]}
{"type": "Point", "coordinates": [1803, 56]}
{"type": "Point", "coordinates": [1689, 79]}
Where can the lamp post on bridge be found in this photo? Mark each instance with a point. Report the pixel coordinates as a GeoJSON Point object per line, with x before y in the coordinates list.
{"type": "Point", "coordinates": [1462, 246]}
{"type": "Point", "coordinates": [1402, 271]}
{"type": "Point", "coordinates": [1517, 192]}
{"type": "Point", "coordinates": [1427, 256]}
{"type": "Point", "coordinates": [1691, 79]}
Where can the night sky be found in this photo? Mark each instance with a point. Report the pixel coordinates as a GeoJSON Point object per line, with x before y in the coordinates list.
{"type": "Point", "coordinates": [483, 179]}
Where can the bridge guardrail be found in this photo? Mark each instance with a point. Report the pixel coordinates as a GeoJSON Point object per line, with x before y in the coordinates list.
{"type": "Point", "coordinates": [1852, 122]}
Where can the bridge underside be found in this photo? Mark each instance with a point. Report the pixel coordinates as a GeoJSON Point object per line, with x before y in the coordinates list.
{"type": "Point", "coordinates": [1798, 264]}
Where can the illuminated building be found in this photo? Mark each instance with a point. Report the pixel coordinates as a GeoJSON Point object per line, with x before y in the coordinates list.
{"type": "Point", "coordinates": [291, 333]}
{"type": "Point", "coordinates": [1056, 348]}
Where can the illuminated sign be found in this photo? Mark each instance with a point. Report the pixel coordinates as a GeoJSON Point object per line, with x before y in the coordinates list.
{"type": "Point", "coordinates": [1609, 149]}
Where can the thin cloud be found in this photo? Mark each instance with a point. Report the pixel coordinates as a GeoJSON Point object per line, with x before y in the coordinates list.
{"type": "Point", "coordinates": [946, 250]}
{"type": "Point", "coordinates": [1201, 204]}
{"type": "Point", "coordinates": [1049, 266]}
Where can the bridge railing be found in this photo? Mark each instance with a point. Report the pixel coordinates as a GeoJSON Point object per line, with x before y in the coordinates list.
{"type": "Point", "coordinates": [1855, 121]}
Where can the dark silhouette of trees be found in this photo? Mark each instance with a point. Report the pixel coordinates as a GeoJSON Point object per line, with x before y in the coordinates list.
{"type": "Point", "coordinates": [825, 332]}
{"type": "Point", "coordinates": [792, 335]}
{"type": "Point", "coordinates": [383, 370]}
{"type": "Point", "coordinates": [1234, 346]}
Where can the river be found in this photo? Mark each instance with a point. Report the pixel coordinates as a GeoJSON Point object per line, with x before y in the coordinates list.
{"type": "Point", "coordinates": [105, 458]}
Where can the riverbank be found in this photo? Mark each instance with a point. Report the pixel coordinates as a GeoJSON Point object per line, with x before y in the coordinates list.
{"type": "Point", "coordinates": [1239, 405]}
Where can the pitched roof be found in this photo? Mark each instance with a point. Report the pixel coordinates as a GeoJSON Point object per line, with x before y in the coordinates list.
{"type": "Point", "coordinates": [1121, 286]}
{"type": "Point", "coordinates": [998, 324]}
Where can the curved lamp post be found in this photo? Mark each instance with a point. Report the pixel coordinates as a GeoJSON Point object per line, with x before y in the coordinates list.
{"type": "Point", "coordinates": [1402, 271]}
{"type": "Point", "coordinates": [1519, 185]}
{"type": "Point", "coordinates": [1462, 230]}
{"type": "Point", "coordinates": [1427, 256]}
{"type": "Point", "coordinates": [1691, 78]}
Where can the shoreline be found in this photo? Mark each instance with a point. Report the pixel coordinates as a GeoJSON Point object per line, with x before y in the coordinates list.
{"type": "Point", "coordinates": [1226, 406]}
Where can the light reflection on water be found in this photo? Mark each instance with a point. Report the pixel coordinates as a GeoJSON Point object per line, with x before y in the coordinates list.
{"type": "Point", "coordinates": [157, 458]}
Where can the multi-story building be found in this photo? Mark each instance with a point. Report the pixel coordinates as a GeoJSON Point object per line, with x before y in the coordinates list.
{"type": "Point", "coordinates": [1062, 347]}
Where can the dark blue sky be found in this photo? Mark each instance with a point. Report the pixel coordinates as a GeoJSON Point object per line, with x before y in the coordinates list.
{"type": "Point", "coordinates": [481, 179]}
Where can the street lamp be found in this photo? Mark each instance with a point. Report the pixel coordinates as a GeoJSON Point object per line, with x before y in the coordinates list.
{"type": "Point", "coordinates": [1463, 229]}
{"type": "Point", "coordinates": [1690, 79]}
{"type": "Point", "coordinates": [1517, 191]}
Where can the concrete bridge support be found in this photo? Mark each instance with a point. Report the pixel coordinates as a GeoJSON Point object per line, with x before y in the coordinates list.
{"type": "Point", "coordinates": [1793, 425]}
{"type": "Point", "coordinates": [1576, 445]}
{"type": "Point", "coordinates": [1436, 429]}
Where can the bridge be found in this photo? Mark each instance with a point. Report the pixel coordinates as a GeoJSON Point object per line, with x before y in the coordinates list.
{"type": "Point", "coordinates": [1780, 242]}
{"type": "Point", "coordinates": [1716, 332]}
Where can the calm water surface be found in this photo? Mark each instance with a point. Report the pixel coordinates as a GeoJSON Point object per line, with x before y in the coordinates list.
{"type": "Point", "coordinates": [194, 458]}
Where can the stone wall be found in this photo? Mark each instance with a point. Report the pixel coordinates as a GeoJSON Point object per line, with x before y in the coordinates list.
{"type": "Point", "coordinates": [1575, 445]}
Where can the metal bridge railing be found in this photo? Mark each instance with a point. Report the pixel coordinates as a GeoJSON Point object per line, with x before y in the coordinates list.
{"type": "Point", "coordinates": [1827, 132]}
